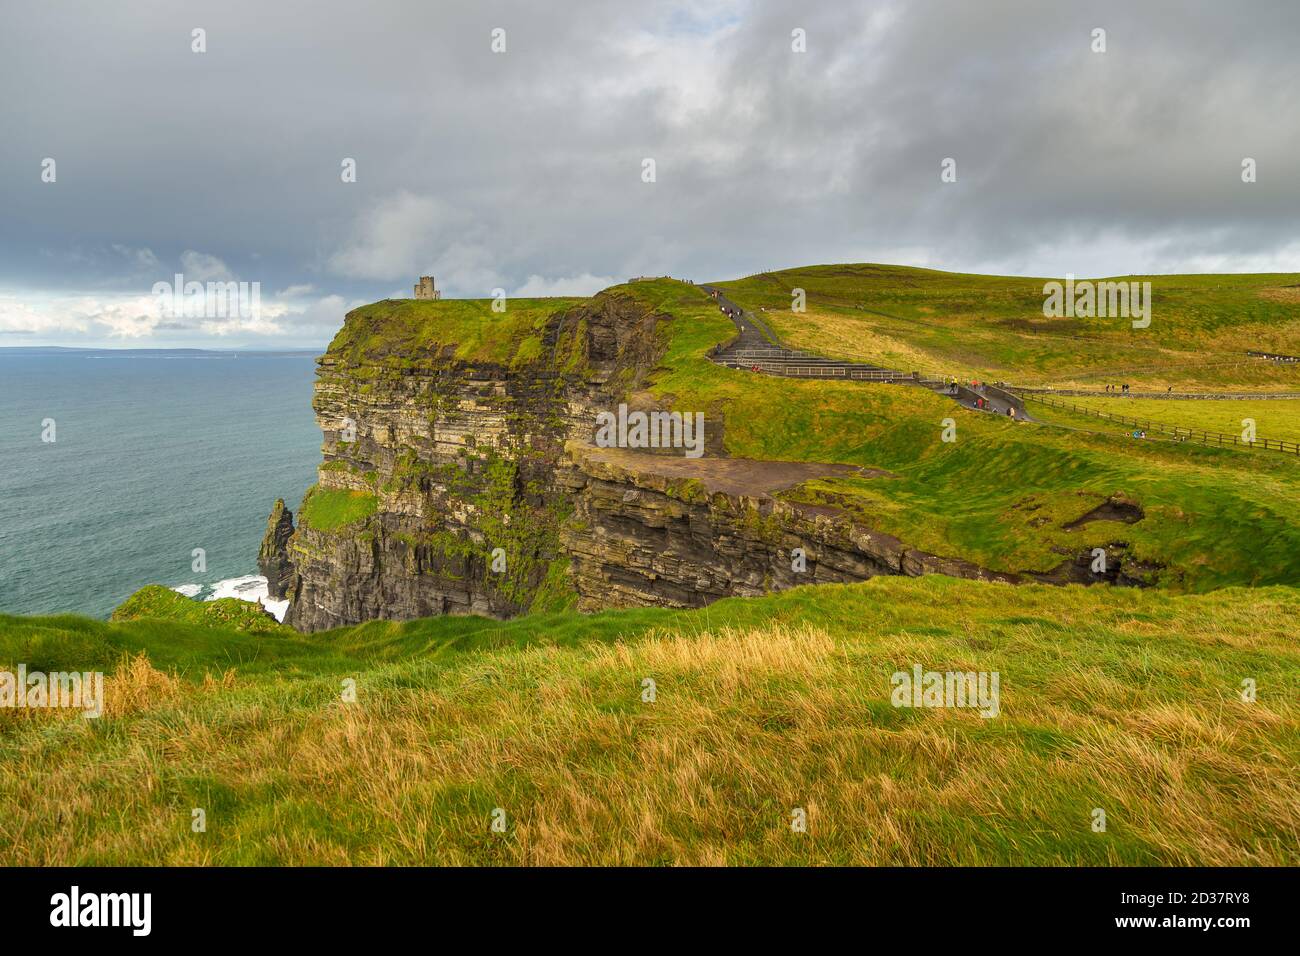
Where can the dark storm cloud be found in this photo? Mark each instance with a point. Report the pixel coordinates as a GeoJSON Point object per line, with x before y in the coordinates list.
{"type": "Point", "coordinates": [523, 169]}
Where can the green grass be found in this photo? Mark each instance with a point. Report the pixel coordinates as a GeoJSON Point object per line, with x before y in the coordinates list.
{"type": "Point", "coordinates": [334, 509]}
{"type": "Point", "coordinates": [1274, 418]}
{"type": "Point", "coordinates": [410, 331]}
{"type": "Point", "coordinates": [154, 601]}
{"type": "Point", "coordinates": [1213, 517]}
{"type": "Point", "coordinates": [1119, 699]}
{"type": "Point", "coordinates": [992, 327]}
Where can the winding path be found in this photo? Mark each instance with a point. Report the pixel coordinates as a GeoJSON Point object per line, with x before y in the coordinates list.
{"type": "Point", "coordinates": [757, 348]}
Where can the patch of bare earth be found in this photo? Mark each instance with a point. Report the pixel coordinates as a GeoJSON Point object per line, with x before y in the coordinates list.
{"type": "Point", "coordinates": [733, 476]}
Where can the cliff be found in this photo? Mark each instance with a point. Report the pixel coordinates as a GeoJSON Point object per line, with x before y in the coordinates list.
{"type": "Point", "coordinates": [437, 492]}
{"type": "Point", "coordinates": [459, 475]}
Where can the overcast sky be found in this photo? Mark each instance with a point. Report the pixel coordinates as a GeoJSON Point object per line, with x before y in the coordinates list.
{"type": "Point", "coordinates": [524, 169]}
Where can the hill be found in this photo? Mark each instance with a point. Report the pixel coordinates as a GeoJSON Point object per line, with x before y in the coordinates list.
{"type": "Point", "coordinates": [1005, 495]}
{"type": "Point", "coordinates": [993, 328]}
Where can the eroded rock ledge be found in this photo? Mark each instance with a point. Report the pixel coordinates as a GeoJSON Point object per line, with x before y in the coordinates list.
{"type": "Point", "coordinates": [683, 532]}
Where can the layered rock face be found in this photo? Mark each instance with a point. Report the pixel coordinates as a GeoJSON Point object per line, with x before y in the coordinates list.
{"type": "Point", "coordinates": [681, 533]}
{"type": "Point", "coordinates": [273, 556]}
{"type": "Point", "coordinates": [437, 493]}
{"type": "Point", "coordinates": [456, 486]}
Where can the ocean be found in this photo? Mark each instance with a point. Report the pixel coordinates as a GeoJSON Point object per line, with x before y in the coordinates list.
{"type": "Point", "coordinates": [155, 453]}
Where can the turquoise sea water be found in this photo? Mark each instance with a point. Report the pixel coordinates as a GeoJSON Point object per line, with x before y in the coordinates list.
{"type": "Point", "coordinates": [156, 453]}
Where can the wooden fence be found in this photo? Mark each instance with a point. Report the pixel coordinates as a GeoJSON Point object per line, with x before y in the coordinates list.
{"type": "Point", "coordinates": [1215, 439]}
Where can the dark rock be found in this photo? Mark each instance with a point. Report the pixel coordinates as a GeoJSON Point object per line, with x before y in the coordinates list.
{"type": "Point", "coordinates": [273, 556]}
{"type": "Point", "coordinates": [1114, 508]}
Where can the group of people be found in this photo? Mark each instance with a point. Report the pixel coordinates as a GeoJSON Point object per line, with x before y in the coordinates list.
{"type": "Point", "coordinates": [1123, 389]}
{"type": "Point", "coordinates": [983, 405]}
{"type": "Point", "coordinates": [729, 313]}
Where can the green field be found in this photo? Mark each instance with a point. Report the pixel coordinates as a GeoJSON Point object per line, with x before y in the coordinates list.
{"type": "Point", "coordinates": [1000, 494]}
{"type": "Point", "coordinates": [993, 327]}
{"type": "Point", "coordinates": [1273, 418]}
{"type": "Point", "coordinates": [1121, 700]}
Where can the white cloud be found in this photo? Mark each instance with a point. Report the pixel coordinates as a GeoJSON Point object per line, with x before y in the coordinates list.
{"type": "Point", "coordinates": [401, 236]}
{"type": "Point", "coordinates": [22, 318]}
{"type": "Point", "coordinates": [128, 318]}
{"type": "Point", "coordinates": [142, 320]}
{"type": "Point", "coordinates": [585, 284]}
{"type": "Point", "coordinates": [263, 322]}
{"type": "Point", "coordinates": [201, 267]}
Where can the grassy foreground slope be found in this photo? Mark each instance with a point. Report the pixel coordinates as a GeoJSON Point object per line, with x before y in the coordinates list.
{"type": "Point", "coordinates": [993, 327]}
{"type": "Point", "coordinates": [1122, 700]}
{"type": "Point", "coordinates": [1002, 493]}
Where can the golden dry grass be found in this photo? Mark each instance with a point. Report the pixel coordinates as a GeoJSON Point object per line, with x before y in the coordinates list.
{"type": "Point", "coordinates": [748, 724]}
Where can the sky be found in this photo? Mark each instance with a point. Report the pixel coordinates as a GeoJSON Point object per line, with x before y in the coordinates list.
{"type": "Point", "coordinates": [782, 134]}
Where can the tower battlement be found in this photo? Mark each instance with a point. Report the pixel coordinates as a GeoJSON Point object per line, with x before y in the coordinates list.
{"type": "Point", "coordinates": [425, 289]}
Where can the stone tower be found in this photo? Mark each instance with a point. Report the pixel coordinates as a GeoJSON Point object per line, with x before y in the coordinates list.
{"type": "Point", "coordinates": [425, 289]}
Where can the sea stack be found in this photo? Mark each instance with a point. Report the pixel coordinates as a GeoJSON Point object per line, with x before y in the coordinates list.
{"type": "Point", "coordinates": [273, 556]}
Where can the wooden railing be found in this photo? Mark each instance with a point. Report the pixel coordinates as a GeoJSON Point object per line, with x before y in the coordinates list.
{"type": "Point", "coordinates": [1214, 439]}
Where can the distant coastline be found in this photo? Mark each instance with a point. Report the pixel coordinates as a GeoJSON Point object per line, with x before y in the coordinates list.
{"type": "Point", "coordinates": [65, 350]}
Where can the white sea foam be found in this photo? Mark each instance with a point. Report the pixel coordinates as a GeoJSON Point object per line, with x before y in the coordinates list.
{"type": "Point", "coordinates": [189, 590]}
{"type": "Point", "coordinates": [251, 587]}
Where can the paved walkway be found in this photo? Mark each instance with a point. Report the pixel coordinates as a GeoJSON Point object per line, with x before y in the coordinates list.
{"type": "Point", "coordinates": [757, 348]}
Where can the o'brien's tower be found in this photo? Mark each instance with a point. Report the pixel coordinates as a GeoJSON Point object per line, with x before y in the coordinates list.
{"type": "Point", "coordinates": [424, 289]}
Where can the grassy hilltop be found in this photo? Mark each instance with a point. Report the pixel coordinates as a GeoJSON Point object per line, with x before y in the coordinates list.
{"type": "Point", "coordinates": [401, 330]}
{"type": "Point", "coordinates": [993, 327]}
{"type": "Point", "coordinates": [1121, 699]}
